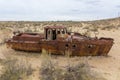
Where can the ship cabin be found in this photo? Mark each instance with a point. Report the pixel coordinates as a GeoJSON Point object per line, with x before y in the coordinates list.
{"type": "Point", "coordinates": [54, 32]}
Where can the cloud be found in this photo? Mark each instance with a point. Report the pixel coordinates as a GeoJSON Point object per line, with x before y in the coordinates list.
{"type": "Point", "coordinates": [93, 2]}
{"type": "Point", "coordinates": [118, 6]}
{"type": "Point", "coordinates": [57, 9]}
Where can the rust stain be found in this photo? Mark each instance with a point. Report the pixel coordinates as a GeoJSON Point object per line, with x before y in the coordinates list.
{"type": "Point", "coordinates": [56, 40]}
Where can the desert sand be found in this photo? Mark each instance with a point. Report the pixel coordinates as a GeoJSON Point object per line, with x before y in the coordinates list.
{"type": "Point", "coordinates": [107, 66]}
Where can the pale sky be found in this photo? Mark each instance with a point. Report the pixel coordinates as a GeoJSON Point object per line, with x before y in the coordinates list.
{"type": "Point", "coordinates": [47, 10]}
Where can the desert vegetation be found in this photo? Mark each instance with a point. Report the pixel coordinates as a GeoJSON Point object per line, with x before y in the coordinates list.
{"type": "Point", "coordinates": [14, 69]}
{"type": "Point", "coordinates": [39, 26]}
{"type": "Point", "coordinates": [16, 65]}
{"type": "Point", "coordinates": [51, 70]}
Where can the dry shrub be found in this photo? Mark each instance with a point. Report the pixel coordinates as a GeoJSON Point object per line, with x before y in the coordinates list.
{"type": "Point", "coordinates": [28, 30]}
{"type": "Point", "coordinates": [52, 71]}
{"type": "Point", "coordinates": [95, 31]}
{"type": "Point", "coordinates": [13, 69]}
{"type": "Point", "coordinates": [109, 27]}
{"type": "Point", "coordinates": [49, 70]}
{"type": "Point", "coordinates": [87, 33]}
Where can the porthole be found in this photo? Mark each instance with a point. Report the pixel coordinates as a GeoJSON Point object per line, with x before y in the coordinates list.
{"type": "Point", "coordinates": [90, 46]}
{"type": "Point", "coordinates": [66, 45]}
{"type": "Point", "coordinates": [74, 46]}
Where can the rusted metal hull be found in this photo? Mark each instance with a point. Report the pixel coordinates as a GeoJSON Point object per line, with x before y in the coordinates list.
{"type": "Point", "coordinates": [81, 48]}
{"type": "Point", "coordinates": [56, 40]}
{"type": "Point", "coordinates": [25, 46]}
{"type": "Point", "coordinates": [75, 48]}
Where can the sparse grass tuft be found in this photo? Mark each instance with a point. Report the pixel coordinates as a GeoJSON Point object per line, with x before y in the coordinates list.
{"type": "Point", "coordinates": [13, 69]}
{"type": "Point", "coordinates": [52, 71]}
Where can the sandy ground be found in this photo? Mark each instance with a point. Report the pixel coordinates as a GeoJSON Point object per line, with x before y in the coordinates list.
{"type": "Point", "coordinates": [109, 66]}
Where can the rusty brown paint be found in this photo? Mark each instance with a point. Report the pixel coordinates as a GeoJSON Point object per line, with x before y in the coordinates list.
{"type": "Point", "coordinates": [74, 45]}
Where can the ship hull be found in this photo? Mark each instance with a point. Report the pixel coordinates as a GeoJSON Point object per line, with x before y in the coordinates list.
{"type": "Point", "coordinates": [25, 46]}
{"type": "Point", "coordinates": [80, 48]}
{"type": "Point", "coordinates": [97, 47]}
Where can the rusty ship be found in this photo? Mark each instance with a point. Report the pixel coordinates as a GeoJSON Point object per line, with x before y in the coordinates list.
{"type": "Point", "coordinates": [57, 40]}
